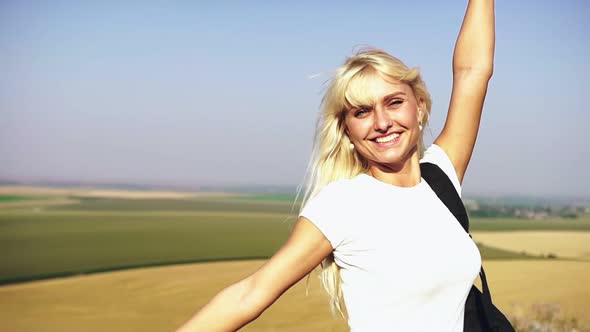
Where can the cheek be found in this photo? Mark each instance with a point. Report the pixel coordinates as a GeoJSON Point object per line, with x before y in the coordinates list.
{"type": "Point", "coordinates": [409, 117]}
{"type": "Point", "coordinates": [357, 129]}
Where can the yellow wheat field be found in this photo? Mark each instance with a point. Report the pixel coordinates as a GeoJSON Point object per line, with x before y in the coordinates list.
{"type": "Point", "coordinates": [564, 244]}
{"type": "Point", "coordinates": [160, 299]}
{"type": "Point", "coordinates": [51, 192]}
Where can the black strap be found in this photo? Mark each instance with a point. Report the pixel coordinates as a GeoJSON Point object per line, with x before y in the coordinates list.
{"type": "Point", "coordinates": [446, 192]}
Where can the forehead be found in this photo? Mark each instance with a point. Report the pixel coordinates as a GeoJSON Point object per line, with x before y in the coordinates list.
{"type": "Point", "coordinates": [368, 89]}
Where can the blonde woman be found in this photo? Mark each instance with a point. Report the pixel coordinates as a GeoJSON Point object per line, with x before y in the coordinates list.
{"type": "Point", "coordinates": [392, 254]}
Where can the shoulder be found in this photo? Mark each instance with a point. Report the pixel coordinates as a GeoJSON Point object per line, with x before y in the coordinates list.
{"type": "Point", "coordinates": [333, 192]}
{"type": "Point", "coordinates": [329, 210]}
{"type": "Point", "coordinates": [436, 155]}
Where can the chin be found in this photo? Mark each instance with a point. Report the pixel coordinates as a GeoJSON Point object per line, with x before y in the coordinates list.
{"type": "Point", "coordinates": [392, 158]}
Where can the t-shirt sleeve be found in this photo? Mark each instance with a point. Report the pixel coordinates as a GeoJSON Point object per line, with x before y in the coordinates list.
{"type": "Point", "coordinates": [325, 211]}
{"type": "Point", "coordinates": [436, 155]}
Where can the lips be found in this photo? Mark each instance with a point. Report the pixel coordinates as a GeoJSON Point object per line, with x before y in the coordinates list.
{"type": "Point", "coordinates": [386, 139]}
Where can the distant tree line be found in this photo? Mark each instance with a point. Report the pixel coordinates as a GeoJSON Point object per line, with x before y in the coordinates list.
{"type": "Point", "coordinates": [487, 210]}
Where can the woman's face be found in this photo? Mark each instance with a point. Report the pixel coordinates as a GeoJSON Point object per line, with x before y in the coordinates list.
{"type": "Point", "coordinates": [386, 133]}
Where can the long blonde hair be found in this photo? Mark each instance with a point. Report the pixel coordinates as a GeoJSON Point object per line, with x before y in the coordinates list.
{"type": "Point", "coordinates": [332, 159]}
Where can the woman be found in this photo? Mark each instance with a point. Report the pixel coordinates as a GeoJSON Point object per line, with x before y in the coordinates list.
{"type": "Point", "coordinates": [390, 250]}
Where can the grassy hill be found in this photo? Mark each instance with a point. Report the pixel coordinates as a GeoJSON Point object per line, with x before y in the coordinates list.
{"type": "Point", "coordinates": [102, 234]}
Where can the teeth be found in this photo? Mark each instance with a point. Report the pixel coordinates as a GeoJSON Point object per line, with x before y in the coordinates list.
{"type": "Point", "coordinates": [387, 138]}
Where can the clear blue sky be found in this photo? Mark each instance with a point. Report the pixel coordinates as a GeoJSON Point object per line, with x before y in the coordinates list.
{"type": "Point", "coordinates": [219, 92]}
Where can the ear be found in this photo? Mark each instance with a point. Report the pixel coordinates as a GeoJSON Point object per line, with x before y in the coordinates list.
{"type": "Point", "coordinates": [421, 108]}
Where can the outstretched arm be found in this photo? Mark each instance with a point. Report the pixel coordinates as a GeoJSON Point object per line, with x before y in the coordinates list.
{"type": "Point", "coordinates": [472, 69]}
{"type": "Point", "coordinates": [244, 301]}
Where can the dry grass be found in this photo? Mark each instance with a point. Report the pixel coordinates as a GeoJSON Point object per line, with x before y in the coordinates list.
{"type": "Point", "coordinates": [520, 287]}
{"type": "Point", "coordinates": [155, 299]}
{"type": "Point", "coordinates": [160, 299]}
{"type": "Point", "coordinates": [32, 191]}
{"type": "Point", "coordinates": [545, 317]}
{"type": "Point", "coordinates": [564, 244]}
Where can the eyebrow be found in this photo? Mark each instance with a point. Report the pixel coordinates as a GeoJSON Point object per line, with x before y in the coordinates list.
{"type": "Point", "coordinates": [392, 95]}
{"type": "Point", "coordinates": [383, 100]}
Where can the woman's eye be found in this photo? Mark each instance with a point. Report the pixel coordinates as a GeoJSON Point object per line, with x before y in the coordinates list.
{"type": "Point", "coordinates": [360, 112]}
{"type": "Point", "coordinates": [395, 102]}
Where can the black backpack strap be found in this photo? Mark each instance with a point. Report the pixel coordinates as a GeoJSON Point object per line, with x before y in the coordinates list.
{"type": "Point", "coordinates": [446, 192]}
{"type": "Point", "coordinates": [444, 189]}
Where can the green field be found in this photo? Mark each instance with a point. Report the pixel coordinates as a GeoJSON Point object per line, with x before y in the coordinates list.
{"type": "Point", "coordinates": [515, 224]}
{"type": "Point", "coordinates": [242, 204]}
{"type": "Point", "coordinates": [14, 198]}
{"type": "Point", "coordinates": [109, 234]}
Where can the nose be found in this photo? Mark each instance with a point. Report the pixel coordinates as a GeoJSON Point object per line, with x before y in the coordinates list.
{"type": "Point", "coordinates": [382, 119]}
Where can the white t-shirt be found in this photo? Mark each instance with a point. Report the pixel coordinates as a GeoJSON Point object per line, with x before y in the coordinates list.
{"type": "Point", "coordinates": [406, 262]}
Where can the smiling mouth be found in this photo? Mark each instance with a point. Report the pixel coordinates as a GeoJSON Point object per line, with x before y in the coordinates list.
{"type": "Point", "coordinates": [386, 139]}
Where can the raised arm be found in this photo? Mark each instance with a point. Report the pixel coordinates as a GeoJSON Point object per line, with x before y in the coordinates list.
{"type": "Point", "coordinates": [244, 301]}
{"type": "Point", "coordinates": [472, 69]}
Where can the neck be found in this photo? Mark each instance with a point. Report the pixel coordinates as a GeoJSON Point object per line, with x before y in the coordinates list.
{"type": "Point", "coordinates": [404, 174]}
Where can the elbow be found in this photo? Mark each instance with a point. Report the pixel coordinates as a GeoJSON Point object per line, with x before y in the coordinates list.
{"type": "Point", "coordinates": [480, 72]}
{"type": "Point", "coordinates": [480, 66]}
{"type": "Point", "coordinates": [252, 301]}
